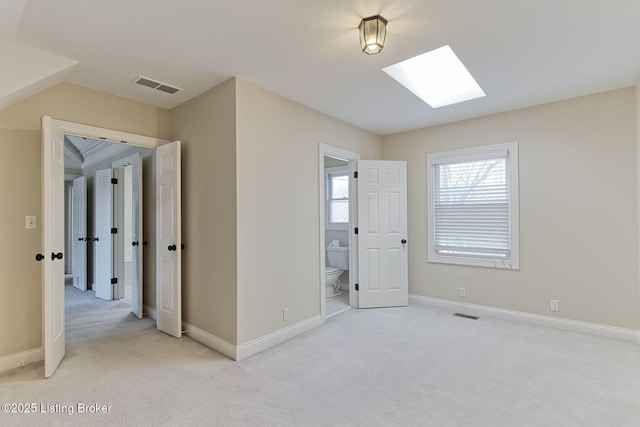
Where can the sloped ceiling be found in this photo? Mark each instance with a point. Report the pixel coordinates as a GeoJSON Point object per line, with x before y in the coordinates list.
{"type": "Point", "coordinates": [522, 53]}
{"type": "Point", "coordinates": [25, 70]}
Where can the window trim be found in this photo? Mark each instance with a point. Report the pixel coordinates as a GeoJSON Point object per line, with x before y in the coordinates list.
{"type": "Point", "coordinates": [473, 154]}
{"type": "Point", "coordinates": [328, 173]}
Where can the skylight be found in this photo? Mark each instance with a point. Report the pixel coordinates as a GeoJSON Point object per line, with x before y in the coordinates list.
{"type": "Point", "coordinates": [437, 77]}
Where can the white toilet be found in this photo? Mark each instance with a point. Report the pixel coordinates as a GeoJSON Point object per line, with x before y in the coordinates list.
{"type": "Point", "coordinates": [337, 262]}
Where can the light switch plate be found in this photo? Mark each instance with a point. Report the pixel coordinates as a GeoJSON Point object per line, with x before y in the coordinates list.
{"type": "Point", "coordinates": [30, 222]}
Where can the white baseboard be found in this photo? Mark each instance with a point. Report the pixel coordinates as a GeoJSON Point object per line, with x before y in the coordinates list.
{"type": "Point", "coordinates": [23, 358]}
{"type": "Point", "coordinates": [596, 329]}
{"type": "Point", "coordinates": [275, 338]}
{"type": "Point", "coordinates": [149, 311]}
{"type": "Point", "coordinates": [252, 347]}
{"type": "Point", "coordinates": [211, 341]}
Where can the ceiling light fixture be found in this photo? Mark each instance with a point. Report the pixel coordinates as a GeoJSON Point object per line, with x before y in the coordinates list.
{"type": "Point", "coordinates": [373, 32]}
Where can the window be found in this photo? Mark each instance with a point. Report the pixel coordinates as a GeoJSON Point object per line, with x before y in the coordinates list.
{"type": "Point", "coordinates": [337, 198]}
{"type": "Point", "coordinates": [473, 206]}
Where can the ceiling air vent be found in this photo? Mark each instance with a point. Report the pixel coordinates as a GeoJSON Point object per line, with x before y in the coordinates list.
{"type": "Point", "coordinates": [154, 84]}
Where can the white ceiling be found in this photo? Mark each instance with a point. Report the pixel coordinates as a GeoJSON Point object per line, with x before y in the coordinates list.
{"type": "Point", "coordinates": [81, 152]}
{"type": "Point", "coordinates": [521, 52]}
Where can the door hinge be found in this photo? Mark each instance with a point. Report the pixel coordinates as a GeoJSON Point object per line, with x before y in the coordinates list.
{"type": "Point", "coordinates": [114, 231]}
{"type": "Point", "coordinates": [355, 174]}
{"type": "Point", "coordinates": [114, 280]}
{"type": "Point", "coordinates": [357, 287]}
{"type": "Point", "coordinates": [114, 180]}
{"type": "Point", "coordinates": [355, 230]}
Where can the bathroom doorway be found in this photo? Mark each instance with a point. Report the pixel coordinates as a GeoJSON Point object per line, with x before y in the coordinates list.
{"type": "Point", "coordinates": [337, 226]}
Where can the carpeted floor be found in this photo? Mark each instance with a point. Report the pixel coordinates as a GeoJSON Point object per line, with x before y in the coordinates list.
{"type": "Point", "coordinates": [413, 366]}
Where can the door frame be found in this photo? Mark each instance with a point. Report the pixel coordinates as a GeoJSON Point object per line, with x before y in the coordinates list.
{"type": "Point", "coordinates": [59, 128]}
{"type": "Point", "coordinates": [351, 158]}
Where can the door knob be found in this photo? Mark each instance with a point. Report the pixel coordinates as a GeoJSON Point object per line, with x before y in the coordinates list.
{"type": "Point", "coordinates": [403, 241]}
{"type": "Point", "coordinates": [39, 257]}
{"type": "Point", "coordinates": [80, 239]}
{"type": "Point", "coordinates": [135, 243]}
{"type": "Point", "coordinates": [96, 239]}
{"type": "Point", "coordinates": [55, 256]}
{"type": "Point", "coordinates": [172, 247]}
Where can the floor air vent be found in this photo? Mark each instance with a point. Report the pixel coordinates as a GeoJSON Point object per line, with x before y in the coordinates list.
{"type": "Point", "coordinates": [466, 316]}
{"type": "Point", "coordinates": [154, 84]}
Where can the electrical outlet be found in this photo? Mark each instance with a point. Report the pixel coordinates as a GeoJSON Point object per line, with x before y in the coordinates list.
{"type": "Point", "coordinates": [463, 292]}
{"type": "Point", "coordinates": [554, 305]}
{"type": "Point", "coordinates": [285, 314]}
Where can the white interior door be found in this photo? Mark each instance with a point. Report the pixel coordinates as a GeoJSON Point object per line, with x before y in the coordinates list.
{"type": "Point", "coordinates": [169, 240]}
{"type": "Point", "coordinates": [120, 250]}
{"type": "Point", "coordinates": [136, 244]}
{"type": "Point", "coordinates": [79, 233]}
{"type": "Point", "coordinates": [382, 234]}
{"type": "Point", "coordinates": [103, 239]}
{"type": "Point", "coordinates": [129, 171]}
{"type": "Point", "coordinates": [53, 246]}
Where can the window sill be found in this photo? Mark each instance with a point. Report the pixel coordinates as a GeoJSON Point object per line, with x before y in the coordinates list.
{"type": "Point", "coordinates": [336, 227]}
{"type": "Point", "coordinates": [504, 265]}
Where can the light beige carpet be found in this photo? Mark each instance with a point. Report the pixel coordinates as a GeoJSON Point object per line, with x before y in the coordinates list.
{"type": "Point", "coordinates": [414, 366]}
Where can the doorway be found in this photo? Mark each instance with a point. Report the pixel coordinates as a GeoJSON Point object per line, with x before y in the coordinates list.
{"type": "Point", "coordinates": [338, 219]}
{"type": "Point", "coordinates": [166, 230]}
{"type": "Point", "coordinates": [377, 230]}
{"type": "Point", "coordinates": [104, 182]}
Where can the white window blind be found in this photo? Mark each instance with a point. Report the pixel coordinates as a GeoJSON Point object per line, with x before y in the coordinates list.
{"type": "Point", "coordinates": [472, 207]}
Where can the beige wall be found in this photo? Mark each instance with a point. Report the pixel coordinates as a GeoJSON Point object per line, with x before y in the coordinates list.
{"type": "Point", "coordinates": [21, 142]}
{"type": "Point", "coordinates": [206, 126]}
{"type": "Point", "coordinates": [20, 286]}
{"type": "Point", "coordinates": [250, 200]}
{"type": "Point", "coordinates": [86, 106]}
{"type": "Point", "coordinates": [278, 206]}
{"type": "Point", "coordinates": [578, 210]}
